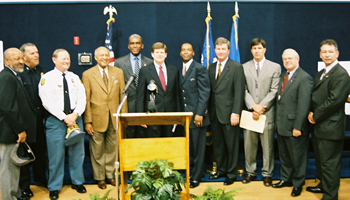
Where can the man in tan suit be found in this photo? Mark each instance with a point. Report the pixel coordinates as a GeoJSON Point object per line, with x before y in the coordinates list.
{"type": "Point", "coordinates": [103, 85]}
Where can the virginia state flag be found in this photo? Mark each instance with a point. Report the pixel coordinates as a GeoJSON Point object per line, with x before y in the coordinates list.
{"type": "Point", "coordinates": [208, 53]}
{"type": "Point", "coordinates": [108, 43]}
{"type": "Point", "coordinates": [234, 51]}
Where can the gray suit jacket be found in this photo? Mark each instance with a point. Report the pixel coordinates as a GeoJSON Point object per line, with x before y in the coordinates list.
{"type": "Point", "coordinates": [294, 103]}
{"type": "Point", "coordinates": [263, 89]}
{"type": "Point", "coordinates": [124, 64]}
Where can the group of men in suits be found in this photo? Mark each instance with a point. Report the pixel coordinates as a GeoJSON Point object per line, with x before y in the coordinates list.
{"type": "Point", "coordinates": [225, 88]}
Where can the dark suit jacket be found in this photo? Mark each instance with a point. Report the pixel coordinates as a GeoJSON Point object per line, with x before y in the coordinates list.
{"type": "Point", "coordinates": [31, 86]}
{"type": "Point", "coordinates": [328, 101]}
{"type": "Point", "coordinates": [124, 64]}
{"type": "Point", "coordinates": [293, 106]}
{"type": "Point", "coordinates": [166, 101]}
{"type": "Point", "coordinates": [16, 111]}
{"type": "Point", "coordinates": [195, 87]}
{"type": "Point", "coordinates": [227, 95]}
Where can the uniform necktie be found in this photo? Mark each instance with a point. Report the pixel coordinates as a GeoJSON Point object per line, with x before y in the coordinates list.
{"type": "Point", "coordinates": [105, 79]}
{"type": "Point", "coordinates": [219, 73]}
{"type": "Point", "coordinates": [285, 80]}
{"type": "Point", "coordinates": [258, 70]}
{"type": "Point", "coordinates": [161, 77]}
{"type": "Point", "coordinates": [184, 70]}
{"type": "Point", "coordinates": [66, 95]}
{"type": "Point", "coordinates": [137, 71]}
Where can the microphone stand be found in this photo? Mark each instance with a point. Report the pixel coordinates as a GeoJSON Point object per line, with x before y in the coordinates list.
{"type": "Point", "coordinates": [117, 146]}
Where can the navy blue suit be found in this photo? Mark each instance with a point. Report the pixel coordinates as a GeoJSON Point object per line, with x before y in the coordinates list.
{"type": "Point", "coordinates": [31, 79]}
{"type": "Point", "coordinates": [166, 101]}
{"type": "Point", "coordinates": [195, 87]}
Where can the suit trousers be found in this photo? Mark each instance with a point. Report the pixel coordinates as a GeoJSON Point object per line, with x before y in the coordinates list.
{"type": "Point", "coordinates": [251, 140]}
{"type": "Point", "coordinates": [103, 152]}
{"type": "Point", "coordinates": [328, 160]}
{"type": "Point", "coordinates": [39, 166]}
{"type": "Point", "coordinates": [197, 152]}
{"type": "Point", "coordinates": [9, 173]}
{"type": "Point", "coordinates": [226, 147]}
{"type": "Point", "coordinates": [293, 156]}
{"type": "Point", "coordinates": [55, 138]}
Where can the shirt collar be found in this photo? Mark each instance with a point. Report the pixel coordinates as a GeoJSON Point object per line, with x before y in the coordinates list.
{"type": "Point", "coordinates": [188, 64]}
{"type": "Point", "coordinates": [331, 66]}
{"type": "Point", "coordinates": [12, 70]}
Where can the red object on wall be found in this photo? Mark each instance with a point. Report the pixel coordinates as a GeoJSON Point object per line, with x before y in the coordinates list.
{"type": "Point", "coordinates": [76, 40]}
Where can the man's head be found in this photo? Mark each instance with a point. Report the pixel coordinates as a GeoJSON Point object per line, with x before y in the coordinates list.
{"type": "Point", "coordinates": [159, 52]}
{"type": "Point", "coordinates": [102, 56]}
{"type": "Point", "coordinates": [258, 49]}
{"type": "Point", "coordinates": [13, 59]}
{"type": "Point", "coordinates": [31, 54]}
{"type": "Point", "coordinates": [135, 44]}
{"type": "Point", "coordinates": [290, 59]}
{"type": "Point", "coordinates": [61, 58]}
{"type": "Point", "coordinates": [186, 52]}
{"type": "Point", "coordinates": [222, 48]}
{"type": "Point", "coordinates": [329, 51]}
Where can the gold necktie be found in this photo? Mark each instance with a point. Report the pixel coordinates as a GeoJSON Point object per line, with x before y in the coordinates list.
{"type": "Point", "coordinates": [219, 73]}
{"type": "Point", "coordinates": [105, 79]}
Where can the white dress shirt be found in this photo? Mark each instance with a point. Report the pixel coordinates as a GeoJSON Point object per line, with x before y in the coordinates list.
{"type": "Point", "coordinates": [51, 93]}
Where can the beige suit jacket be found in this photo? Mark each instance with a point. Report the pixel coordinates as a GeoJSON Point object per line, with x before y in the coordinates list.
{"type": "Point", "coordinates": [102, 102]}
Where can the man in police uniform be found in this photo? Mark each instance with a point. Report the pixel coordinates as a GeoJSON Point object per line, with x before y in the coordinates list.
{"type": "Point", "coordinates": [64, 112]}
{"type": "Point", "coordinates": [30, 76]}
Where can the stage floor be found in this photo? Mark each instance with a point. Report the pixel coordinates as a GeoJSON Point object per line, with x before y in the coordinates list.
{"type": "Point", "coordinates": [252, 191]}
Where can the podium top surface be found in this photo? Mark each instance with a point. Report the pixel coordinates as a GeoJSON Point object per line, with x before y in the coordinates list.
{"type": "Point", "coordinates": [158, 118]}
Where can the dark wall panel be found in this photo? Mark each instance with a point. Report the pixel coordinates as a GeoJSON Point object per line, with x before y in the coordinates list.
{"type": "Point", "coordinates": [296, 25]}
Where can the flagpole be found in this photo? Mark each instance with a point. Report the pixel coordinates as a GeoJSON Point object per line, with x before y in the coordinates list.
{"type": "Point", "coordinates": [108, 43]}
{"type": "Point", "coordinates": [207, 33]}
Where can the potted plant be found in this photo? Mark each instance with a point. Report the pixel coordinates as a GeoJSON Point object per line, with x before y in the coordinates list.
{"type": "Point", "coordinates": [215, 194]}
{"type": "Point", "coordinates": [156, 179]}
{"type": "Point", "coordinates": [96, 196]}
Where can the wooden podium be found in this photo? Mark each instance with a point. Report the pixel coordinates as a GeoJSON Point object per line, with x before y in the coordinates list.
{"type": "Point", "coordinates": [174, 149]}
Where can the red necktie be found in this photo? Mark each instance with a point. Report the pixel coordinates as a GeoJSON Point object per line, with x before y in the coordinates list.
{"type": "Point", "coordinates": [285, 80]}
{"type": "Point", "coordinates": [162, 78]}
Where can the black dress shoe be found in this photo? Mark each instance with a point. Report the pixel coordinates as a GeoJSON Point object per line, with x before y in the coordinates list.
{"type": "Point", "coordinates": [26, 193]}
{"type": "Point", "coordinates": [216, 176]}
{"type": "Point", "coordinates": [267, 181]}
{"type": "Point", "coordinates": [296, 191]}
{"type": "Point", "coordinates": [54, 195]}
{"type": "Point", "coordinates": [229, 181]}
{"type": "Point", "coordinates": [247, 178]}
{"type": "Point", "coordinates": [282, 184]}
{"type": "Point", "coordinates": [23, 198]}
{"type": "Point", "coordinates": [194, 184]}
{"type": "Point", "coordinates": [315, 189]}
{"type": "Point", "coordinates": [79, 188]}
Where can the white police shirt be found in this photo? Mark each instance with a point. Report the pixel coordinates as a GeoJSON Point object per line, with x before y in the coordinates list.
{"type": "Point", "coordinates": [51, 93]}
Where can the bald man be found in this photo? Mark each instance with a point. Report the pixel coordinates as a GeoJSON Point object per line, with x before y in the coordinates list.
{"type": "Point", "coordinates": [103, 86]}
{"type": "Point", "coordinates": [293, 103]}
{"type": "Point", "coordinates": [17, 118]}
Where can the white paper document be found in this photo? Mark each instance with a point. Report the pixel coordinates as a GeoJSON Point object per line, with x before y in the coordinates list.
{"type": "Point", "coordinates": [247, 122]}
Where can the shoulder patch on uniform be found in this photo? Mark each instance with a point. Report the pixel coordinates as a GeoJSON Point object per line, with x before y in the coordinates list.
{"type": "Point", "coordinates": [42, 82]}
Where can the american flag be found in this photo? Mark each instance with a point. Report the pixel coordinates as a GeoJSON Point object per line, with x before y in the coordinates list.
{"type": "Point", "coordinates": [108, 43]}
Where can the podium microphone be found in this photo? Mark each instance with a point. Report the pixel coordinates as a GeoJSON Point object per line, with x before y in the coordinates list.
{"type": "Point", "coordinates": [128, 83]}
